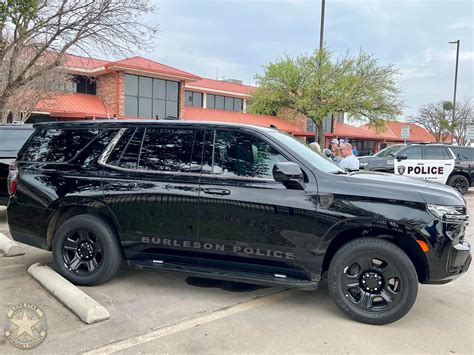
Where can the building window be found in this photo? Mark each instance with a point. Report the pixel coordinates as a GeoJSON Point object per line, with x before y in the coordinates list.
{"type": "Point", "coordinates": [193, 99]}
{"type": "Point", "coordinates": [151, 98]}
{"type": "Point", "coordinates": [224, 103]}
{"type": "Point", "coordinates": [85, 85]}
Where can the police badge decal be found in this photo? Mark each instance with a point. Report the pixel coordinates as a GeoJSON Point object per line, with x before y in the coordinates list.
{"type": "Point", "coordinates": [26, 326]}
{"type": "Point", "coordinates": [401, 169]}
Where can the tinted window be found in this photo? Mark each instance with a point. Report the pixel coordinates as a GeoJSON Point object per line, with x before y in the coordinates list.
{"type": "Point", "coordinates": [159, 89]}
{"type": "Point", "coordinates": [412, 153]}
{"type": "Point", "coordinates": [57, 145]}
{"type": "Point", "coordinates": [238, 104]}
{"type": "Point", "coordinates": [435, 153]}
{"type": "Point", "coordinates": [145, 87]}
{"type": "Point", "coordinates": [129, 156]}
{"type": "Point", "coordinates": [131, 85]}
{"type": "Point", "coordinates": [220, 102]}
{"type": "Point", "coordinates": [229, 103]}
{"type": "Point", "coordinates": [463, 153]}
{"type": "Point", "coordinates": [211, 101]}
{"type": "Point", "coordinates": [169, 149]}
{"type": "Point", "coordinates": [131, 106]}
{"type": "Point", "coordinates": [13, 139]}
{"type": "Point", "coordinates": [241, 154]}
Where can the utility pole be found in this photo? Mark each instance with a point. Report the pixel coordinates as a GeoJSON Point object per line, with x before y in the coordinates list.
{"type": "Point", "coordinates": [458, 42]}
{"type": "Point", "coordinates": [321, 31]}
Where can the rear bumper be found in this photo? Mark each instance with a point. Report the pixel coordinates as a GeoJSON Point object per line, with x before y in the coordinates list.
{"type": "Point", "coordinates": [28, 224]}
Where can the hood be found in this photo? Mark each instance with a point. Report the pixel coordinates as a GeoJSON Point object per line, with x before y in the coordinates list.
{"type": "Point", "coordinates": [405, 188]}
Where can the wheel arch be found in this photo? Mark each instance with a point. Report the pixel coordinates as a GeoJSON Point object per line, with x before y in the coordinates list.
{"type": "Point", "coordinates": [463, 173]}
{"type": "Point", "coordinates": [403, 237]}
{"type": "Point", "coordinates": [72, 209]}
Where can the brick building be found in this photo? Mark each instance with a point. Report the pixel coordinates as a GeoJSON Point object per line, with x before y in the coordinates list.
{"type": "Point", "coordinates": [141, 88]}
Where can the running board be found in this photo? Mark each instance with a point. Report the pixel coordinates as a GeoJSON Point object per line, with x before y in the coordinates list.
{"type": "Point", "coordinates": [222, 274]}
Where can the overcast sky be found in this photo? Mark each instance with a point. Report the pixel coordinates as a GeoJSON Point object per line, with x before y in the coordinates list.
{"type": "Point", "coordinates": [235, 39]}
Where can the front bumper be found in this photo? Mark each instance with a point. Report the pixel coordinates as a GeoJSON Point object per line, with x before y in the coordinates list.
{"type": "Point", "coordinates": [449, 259]}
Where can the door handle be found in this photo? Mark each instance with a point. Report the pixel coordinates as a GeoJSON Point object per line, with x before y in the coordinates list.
{"type": "Point", "coordinates": [221, 192]}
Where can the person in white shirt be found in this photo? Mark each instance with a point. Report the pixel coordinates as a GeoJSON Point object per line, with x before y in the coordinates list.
{"type": "Point", "coordinates": [349, 161]}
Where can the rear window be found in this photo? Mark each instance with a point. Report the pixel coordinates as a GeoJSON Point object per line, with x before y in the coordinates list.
{"type": "Point", "coordinates": [13, 139]}
{"type": "Point", "coordinates": [57, 145]}
{"type": "Point", "coordinates": [463, 153]}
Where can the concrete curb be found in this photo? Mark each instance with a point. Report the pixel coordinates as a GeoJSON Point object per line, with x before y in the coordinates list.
{"type": "Point", "coordinates": [87, 309]}
{"type": "Point", "coordinates": [9, 247]}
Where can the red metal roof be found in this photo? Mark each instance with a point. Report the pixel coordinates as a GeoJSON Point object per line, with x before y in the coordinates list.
{"type": "Point", "coordinates": [133, 63]}
{"type": "Point", "coordinates": [211, 115]}
{"type": "Point", "coordinates": [417, 133]}
{"type": "Point", "coordinates": [73, 105]}
{"type": "Point", "coordinates": [76, 61]}
{"type": "Point", "coordinates": [140, 63]}
{"type": "Point", "coordinates": [218, 85]}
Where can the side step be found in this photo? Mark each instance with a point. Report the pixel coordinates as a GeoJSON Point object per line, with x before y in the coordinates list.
{"type": "Point", "coordinates": [222, 274]}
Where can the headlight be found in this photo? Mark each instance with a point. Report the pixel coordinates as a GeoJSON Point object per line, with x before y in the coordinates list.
{"type": "Point", "coordinates": [448, 212]}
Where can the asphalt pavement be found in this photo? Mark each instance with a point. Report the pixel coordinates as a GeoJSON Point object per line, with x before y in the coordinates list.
{"type": "Point", "coordinates": [154, 312]}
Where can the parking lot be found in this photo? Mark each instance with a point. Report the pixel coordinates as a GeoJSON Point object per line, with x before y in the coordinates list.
{"type": "Point", "coordinates": [167, 313]}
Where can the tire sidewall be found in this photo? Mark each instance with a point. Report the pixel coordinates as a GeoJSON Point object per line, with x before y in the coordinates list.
{"type": "Point", "coordinates": [454, 177]}
{"type": "Point", "coordinates": [108, 240]}
{"type": "Point", "coordinates": [381, 249]}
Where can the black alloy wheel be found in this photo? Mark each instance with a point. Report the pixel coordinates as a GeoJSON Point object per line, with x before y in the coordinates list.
{"type": "Point", "coordinates": [82, 252]}
{"type": "Point", "coordinates": [371, 284]}
{"type": "Point", "coordinates": [373, 281]}
{"type": "Point", "coordinates": [459, 182]}
{"type": "Point", "coordinates": [86, 250]}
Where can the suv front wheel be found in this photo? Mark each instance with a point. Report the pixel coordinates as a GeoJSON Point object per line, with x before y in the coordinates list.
{"type": "Point", "coordinates": [86, 250]}
{"type": "Point", "coordinates": [372, 281]}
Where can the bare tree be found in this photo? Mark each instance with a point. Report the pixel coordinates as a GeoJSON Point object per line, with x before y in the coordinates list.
{"type": "Point", "coordinates": [36, 35]}
{"type": "Point", "coordinates": [436, 119]}
{"type": "Point", "coordinates": [464, 117]}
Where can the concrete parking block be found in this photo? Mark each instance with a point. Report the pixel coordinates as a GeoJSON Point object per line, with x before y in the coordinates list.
{"type": "Point", "coordinates": [84, 307]}
{"type": "Point", "coordinates": [9, 247]}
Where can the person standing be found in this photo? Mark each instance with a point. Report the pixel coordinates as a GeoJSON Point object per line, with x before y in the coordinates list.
{"type": "Point", "coordinates": [355, 151]}
{"type": "Point", "coordinates": [349, 161]}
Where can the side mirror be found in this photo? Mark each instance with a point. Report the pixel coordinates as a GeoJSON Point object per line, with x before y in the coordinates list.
{"type": "Point", "coordinates": [289, 174]}
{"type": "Point", "coordinates": [401, 157]}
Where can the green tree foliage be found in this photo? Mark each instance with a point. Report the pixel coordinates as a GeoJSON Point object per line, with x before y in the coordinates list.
{"type": "Point", "coordinates": [316, 85]}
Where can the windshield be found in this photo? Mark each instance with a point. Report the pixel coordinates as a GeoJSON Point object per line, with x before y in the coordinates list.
{"type": "Point", "coordinates": [317, 160]}
{"type": "Point", "coordinates": [13, 139]}
{"type": "Point", "coordinates": [389, 151]}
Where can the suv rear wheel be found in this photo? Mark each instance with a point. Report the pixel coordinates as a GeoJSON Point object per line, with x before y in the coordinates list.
{"type": "Point", "coordinates": [459, 182]}
{"type": "Point", "coordinates": [86, 250]}
{"type": "Point", "coordinates": [372, 281]}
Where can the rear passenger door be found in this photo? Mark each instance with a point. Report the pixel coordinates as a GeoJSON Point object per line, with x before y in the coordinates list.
{"type": "Point", "coordinates": [151, 184]}
{"type": "Point", "coordinates": [433, 163]}
{"type": "Point", "coordinates": [247, 220]}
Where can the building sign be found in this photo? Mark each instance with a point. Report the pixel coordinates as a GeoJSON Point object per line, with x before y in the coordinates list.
{"type": "Point", "coordinates": [470, 131]}
{"type": "Point", "coordinates": [405, 132]}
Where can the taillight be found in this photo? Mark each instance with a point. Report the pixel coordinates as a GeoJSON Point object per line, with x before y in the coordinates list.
{"type": "Point", "coordinates": [12, 178]}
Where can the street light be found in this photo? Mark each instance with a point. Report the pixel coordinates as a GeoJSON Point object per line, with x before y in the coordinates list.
{"type": "Point", "coordinates": [458, 42]}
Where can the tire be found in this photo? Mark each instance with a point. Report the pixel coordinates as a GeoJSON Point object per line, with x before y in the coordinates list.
{"type": "Point", "coordinates": [372, 281]}
{"type": "Point", "coordinates": [459, 182]}
{"type": "Point", "coordinates": [86, 250]}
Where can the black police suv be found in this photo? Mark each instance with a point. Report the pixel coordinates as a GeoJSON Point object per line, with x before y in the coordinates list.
{"type": "Point", "coordinates": [12, 137]}
{"type": "Point", "coordinates": [234, 202]}
{"type": "Point", "coordinates": [461, 159]}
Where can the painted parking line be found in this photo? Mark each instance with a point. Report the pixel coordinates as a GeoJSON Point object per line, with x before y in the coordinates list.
{"type": "Point", "coordinates": [191, 323]}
